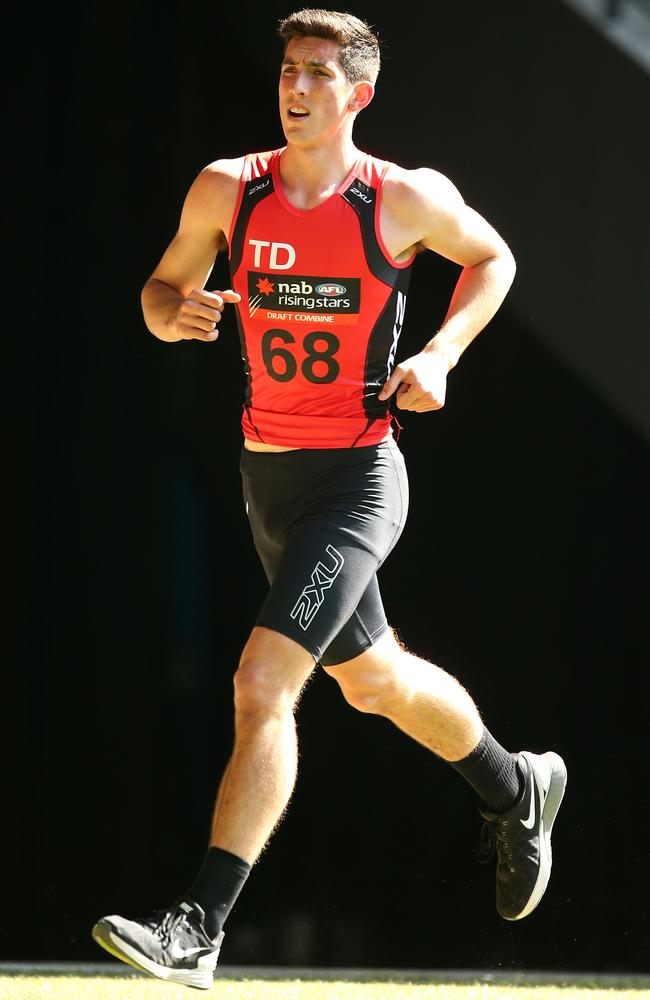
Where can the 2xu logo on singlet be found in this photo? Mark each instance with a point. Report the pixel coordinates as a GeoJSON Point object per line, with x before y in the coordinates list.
{"type": "Point", "coordinates": [288, 297]}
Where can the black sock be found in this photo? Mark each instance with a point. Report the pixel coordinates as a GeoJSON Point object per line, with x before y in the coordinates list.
{"type": "Point", "coordinates": [217, 885]}
{"type": "Point", "coordinates": [493, 774]}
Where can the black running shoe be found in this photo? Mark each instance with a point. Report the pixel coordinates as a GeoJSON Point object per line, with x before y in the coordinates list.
{"type": "Point", "coordinates": [522, 836]}
{"type": "Point", "coordinates": [171, 944]}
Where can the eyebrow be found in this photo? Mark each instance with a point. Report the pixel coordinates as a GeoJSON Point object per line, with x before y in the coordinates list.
{"type": "Point", "coordinates": [308, 62]}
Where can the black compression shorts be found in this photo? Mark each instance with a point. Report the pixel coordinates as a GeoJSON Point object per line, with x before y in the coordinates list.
{"type": "Point", "coordinates": [323, 522]}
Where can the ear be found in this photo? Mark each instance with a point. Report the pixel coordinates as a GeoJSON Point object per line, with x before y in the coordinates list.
{"type": "Point", "coordinates": [361, 97]}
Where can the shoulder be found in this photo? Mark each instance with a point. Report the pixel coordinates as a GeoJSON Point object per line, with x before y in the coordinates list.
{"type": "Point", "coordinates": [410, 193]}
{"type": "Point", "coordinates": [226, 174]}
{"type": "Point", "coordinates": [219, 177]}
{"type": "Point", "coordinates": [211, 198]}
{"type": "Point", "coordinates": [429, 213]}
{"type": "Point", "coordinates": [425, 209]}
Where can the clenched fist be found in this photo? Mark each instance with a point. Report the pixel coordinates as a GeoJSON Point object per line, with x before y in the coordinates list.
{"type": "Point", "coordinates": [199, 313]}
{"type": "Point", "coordinates": [420, 382]}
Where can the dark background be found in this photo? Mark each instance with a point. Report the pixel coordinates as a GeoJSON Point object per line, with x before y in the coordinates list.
{"type": "Point", "coordinates": [134, 583]}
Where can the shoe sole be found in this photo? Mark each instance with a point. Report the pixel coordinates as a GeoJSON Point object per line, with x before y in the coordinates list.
{"type": "Point", "coordinates": [105, 936]}
{"type": "Point", "coordinates": [552, 802]}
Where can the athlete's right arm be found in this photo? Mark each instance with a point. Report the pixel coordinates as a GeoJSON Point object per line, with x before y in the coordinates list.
{"type": "Point", "coordinates": [175, 304]}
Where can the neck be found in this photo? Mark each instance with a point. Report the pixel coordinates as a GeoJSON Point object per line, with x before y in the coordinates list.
{"type": "Point", "coordinates": [315, 170]}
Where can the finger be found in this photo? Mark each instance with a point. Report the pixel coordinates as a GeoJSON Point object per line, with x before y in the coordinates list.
{"type": "Point", "coordinates": [214, 300]}
{"type": "Point", "coordinates": [429, 407]}
{"type": "Point", "coordinates": [421, 406]}
{"type": "Point", "coordinates": [203, 312]}
{"type": "Point", "coordinates": [230, 296]}
{"type": "Point", "coordinates": [201, 296]}
{"type": "Point", "coordinates": [391, 385]}
{"type": "Point", "coordinates": [196, 320]}
{"type": "Point", "coordinates": [227, 296]}
{"type": "Point", "coordinates": [191, 333]}
{"type": "Point", "coordinates": [408, 396]}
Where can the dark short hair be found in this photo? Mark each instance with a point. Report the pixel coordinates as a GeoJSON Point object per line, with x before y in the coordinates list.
{"type": "Point", "coordinates": [359, 43]}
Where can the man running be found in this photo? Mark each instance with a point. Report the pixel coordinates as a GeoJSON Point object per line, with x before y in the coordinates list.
{"type": "Point", "coordinates": [321, 238]}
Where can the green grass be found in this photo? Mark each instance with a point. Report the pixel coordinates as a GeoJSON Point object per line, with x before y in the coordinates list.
{"type": "Point", "coordinates": [26, 987]}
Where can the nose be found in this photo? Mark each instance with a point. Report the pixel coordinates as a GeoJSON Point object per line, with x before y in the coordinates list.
{"type": "Point", "coordinates": [300, 84]}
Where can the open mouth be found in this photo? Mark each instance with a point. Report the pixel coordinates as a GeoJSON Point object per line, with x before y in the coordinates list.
{"type": "Point", "coordinates": [296, 112]}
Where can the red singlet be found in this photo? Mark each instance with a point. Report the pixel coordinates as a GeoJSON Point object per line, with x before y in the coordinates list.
{"type": "Point", "coordinates": [322, 307]}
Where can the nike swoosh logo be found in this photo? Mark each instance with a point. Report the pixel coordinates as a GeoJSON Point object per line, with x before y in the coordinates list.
{"type": "Point", "coordinates": [530, 821]}
{"type": "Point", "coordinates": [178, 952]}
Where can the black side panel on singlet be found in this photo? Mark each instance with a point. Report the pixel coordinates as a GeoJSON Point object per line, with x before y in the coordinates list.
{"type": "Point", "coordinates": [382, 347]}
{"type": "Point", "coordinates": [255, 191]}
{"type": "Point", "coordinates": [382, 343]}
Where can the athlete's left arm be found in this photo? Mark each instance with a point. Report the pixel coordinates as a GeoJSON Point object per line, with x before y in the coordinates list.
{"type": "Point", "coordinates": [424, 209]}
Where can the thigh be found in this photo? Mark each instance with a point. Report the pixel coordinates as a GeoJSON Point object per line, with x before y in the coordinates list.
{"type": "Point", "coordinates": [371, 667]}
{"type": "Point", "coordinates": [323, 523]}
{"type": "Point", "coordinates": [258, 490]}
{"type": "Point", "coordinates": [362, 629]}
{"type": "Point", "coordinates": [321, 579]}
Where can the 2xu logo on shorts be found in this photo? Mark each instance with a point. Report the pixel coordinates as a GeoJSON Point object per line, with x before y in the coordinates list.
{"type": "Point", "coordinates": [313, 595]}
{"type": "Point", "coordinates": [299, 292]}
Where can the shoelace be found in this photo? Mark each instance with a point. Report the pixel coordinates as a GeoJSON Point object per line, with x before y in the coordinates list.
{"type": "Point", "coordinates": [168, 925]}
{"type": "Point", "coordinates": [493, 837]}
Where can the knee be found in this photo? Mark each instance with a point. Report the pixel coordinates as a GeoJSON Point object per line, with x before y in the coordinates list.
{"type": "Point", "coordinates": [271, 674]}
{"type": "Point", "coordinates": [372, 682]}
{"type": "Point", "coordinates": [372, 693]}
{"type": "Point", "coordinates": [258, 690]}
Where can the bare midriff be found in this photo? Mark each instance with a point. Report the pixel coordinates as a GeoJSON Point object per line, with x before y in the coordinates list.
{"type": "Point", "coordinates": [258, 446]}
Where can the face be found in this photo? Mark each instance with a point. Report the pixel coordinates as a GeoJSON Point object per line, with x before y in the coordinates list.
{"type": "Point", "coordinates": [316, 99]}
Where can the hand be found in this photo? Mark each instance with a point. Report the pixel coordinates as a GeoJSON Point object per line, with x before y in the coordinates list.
{"type": "Point", "coordinates": [420, 382]}
{"type": "Point", "coordinates": [199, 313]}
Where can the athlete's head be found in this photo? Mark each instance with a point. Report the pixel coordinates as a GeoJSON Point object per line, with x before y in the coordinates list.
{"type": "Point", "coordinates": [329, 66]}
{"type": "Point", "coordinates": [358, 52]}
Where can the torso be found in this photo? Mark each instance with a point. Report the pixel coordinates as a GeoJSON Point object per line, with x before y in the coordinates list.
{"type": "Point", "coordinates": [341, 239]}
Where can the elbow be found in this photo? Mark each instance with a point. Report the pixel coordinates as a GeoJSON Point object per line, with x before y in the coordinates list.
{"type": "Point", "coordinates": [146, 289]}
{"type": "Point", "coordinates": [144, 293]}
{"type": "Point", "coordinates": [513, 266]}
{"type": "Point", "coordinates": [509, 264]}
{"type": "Point", "coordinates": [147, 305]}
